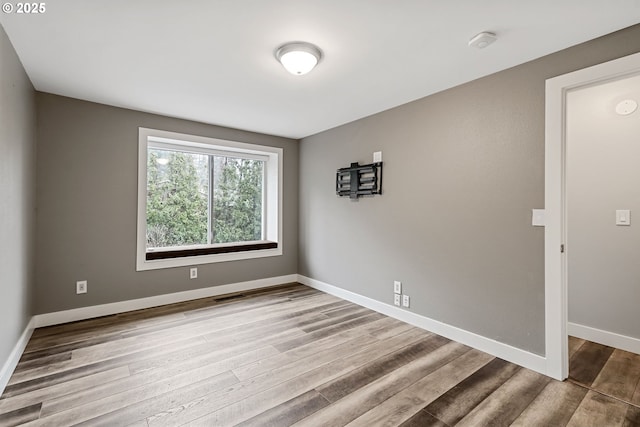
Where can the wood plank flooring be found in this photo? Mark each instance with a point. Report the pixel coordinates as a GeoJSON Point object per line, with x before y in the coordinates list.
{"type": "Point", "coordinates": [296, 356]}
{"type": "Point", "coordinates": [607, 370]}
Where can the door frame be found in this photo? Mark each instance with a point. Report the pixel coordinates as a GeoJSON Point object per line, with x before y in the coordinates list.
{"type": "Point", "coordinates": [555, 234]}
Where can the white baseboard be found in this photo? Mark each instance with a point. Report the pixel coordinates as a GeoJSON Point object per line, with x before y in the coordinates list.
{"type": "Point", "coordinates": [495, 348]}
{"type": "Point", "coordinates": [58, 317]}
{"type": "Point", "coordinates": [611, 339]}
{"type": "Point", "coordinates": [11, 363]}
{"type": "Point", "coordinates": [504, 351]}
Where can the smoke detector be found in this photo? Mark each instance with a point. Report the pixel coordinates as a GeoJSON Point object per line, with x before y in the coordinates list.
{"type": "Point", "coordinates": [626, 107]}
{"type": "Point", "coordinates": [482, 40]}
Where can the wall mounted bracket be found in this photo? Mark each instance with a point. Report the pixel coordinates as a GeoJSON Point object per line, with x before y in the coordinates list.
{"type": "Point", "coordinates": [359, 180]}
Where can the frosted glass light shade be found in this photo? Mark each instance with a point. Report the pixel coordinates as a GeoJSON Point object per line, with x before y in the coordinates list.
{"type": "Point", "coordinates": [298, 58]}
{"type": "Point", "coordinates": [298, 62]}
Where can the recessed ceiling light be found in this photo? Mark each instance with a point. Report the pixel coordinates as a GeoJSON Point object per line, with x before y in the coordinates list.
{"type": "Point", "coordinates": [626, 107]}
{"type": "Point", "coordinates": [482, 40]}
{"type": "Point", "coordinates": [298, 58]}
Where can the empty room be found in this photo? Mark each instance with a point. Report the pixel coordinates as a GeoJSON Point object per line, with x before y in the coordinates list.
{"type": "Point", "coordinates": [319, 213]}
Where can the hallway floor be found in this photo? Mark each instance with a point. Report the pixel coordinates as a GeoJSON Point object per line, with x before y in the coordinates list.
{"type": "Point", "coordinates": [606, 370]}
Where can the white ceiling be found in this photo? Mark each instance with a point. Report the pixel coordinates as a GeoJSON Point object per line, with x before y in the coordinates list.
{"type": "Point", "coordinates": [213, 60]}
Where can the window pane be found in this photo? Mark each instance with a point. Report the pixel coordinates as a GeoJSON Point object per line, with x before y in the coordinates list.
{"type": "Point", "coordinates": [177, 198]}
{"type": "Point", "coordinates": [237, 199]}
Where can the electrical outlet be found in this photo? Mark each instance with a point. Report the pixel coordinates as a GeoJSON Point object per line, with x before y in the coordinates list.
{"type": "Point", "coordinates": [396, 299]}
{"type": "Point", "coordinates": [193, 273]}
{"type": "Point", "coordinates": [81, 287]}
{"type": "Point", "coordinates": [405, 301]}
{"type": "Point", "coordinates": [397, 287]}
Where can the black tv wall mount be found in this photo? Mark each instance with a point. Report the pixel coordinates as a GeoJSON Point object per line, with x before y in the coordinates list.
{"type": "Point", "coordinates": [359, 180]}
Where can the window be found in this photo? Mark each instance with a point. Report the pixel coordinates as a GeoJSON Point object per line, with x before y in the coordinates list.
{"type": "Point", "coordinates": [203, 200]}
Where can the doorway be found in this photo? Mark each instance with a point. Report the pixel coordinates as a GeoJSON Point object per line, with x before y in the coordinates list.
{"type": "Point", "coordinates": [602, 176]}
{"type": "Point", "coordinates": [556, 244]}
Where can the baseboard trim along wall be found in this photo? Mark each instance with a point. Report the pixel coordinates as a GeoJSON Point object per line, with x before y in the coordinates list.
{"type": "Point", "coordinates": [504, 351]}
{"type": "Point", "coordinates": [599, 336]}
{"type": "Point", "coordinates": [58, 317]}
{"type": "Point", "coordinates": [495, 348]}
{"type": "Point", "coordinates": [11, 363]}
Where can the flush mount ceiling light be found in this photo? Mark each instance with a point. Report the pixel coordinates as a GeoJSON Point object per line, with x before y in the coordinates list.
{"type": "Point", "coordinates": [482, 40]}
{"type": "Point", "coordinates": [298, 58]}
{"type": "Point", "coordinates": [626, 107]}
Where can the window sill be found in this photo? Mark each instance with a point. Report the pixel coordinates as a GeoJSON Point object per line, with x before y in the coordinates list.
{"type": "Point", "coordinates": [188, 258]}
{"type": "Point", "coordinates": [212, 250]}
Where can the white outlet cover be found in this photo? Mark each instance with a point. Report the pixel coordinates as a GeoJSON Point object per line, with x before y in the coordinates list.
{"type": "Point", "coordinates": [397, 287]}
{"type": "Point", "coordinates": [193, 273]}
{"type": "Point", "coordinates": [405, 301]}
{"type": "Point", "coordinates": [377, 156]}
{"type": "Point", "coordinates": [396, 299]}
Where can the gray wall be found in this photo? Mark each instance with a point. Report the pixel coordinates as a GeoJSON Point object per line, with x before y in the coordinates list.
{"type": "Point", "coordinates": [17, 196]}
{"type": "Point", "coordinates": [603, 149]}
{"type": "Point", "coordinates": [87, 201]}
{"type": "Point", "coordinates": [462, 170]}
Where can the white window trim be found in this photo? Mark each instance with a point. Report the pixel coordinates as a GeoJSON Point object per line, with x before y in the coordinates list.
{"type": "Point", "coordinates": [272, 186]}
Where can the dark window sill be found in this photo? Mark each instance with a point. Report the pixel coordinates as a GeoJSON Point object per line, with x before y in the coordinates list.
{"type": "Point", "coordinates": [182, 253]}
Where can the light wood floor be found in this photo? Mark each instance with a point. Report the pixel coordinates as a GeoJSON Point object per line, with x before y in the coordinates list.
{"type": "Point", "coordinates": [280, 357]}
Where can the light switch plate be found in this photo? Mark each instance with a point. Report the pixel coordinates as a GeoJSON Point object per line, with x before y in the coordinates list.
{"type": "Point", "coordinates": [81, 287]}
{"type": "Point", "coordinates": [377, 156]}
{"type": "Point", "coordinates": [623, 217]}
{"type": "Point", "coordinates": [538, 217]}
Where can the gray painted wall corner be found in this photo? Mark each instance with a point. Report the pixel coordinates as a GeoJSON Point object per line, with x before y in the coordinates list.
{"type": "Point", "coordinates": [17, 197]}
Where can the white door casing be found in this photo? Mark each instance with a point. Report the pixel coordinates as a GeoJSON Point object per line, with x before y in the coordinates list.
{"type": "Point", "coordinates": [556, 279]}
